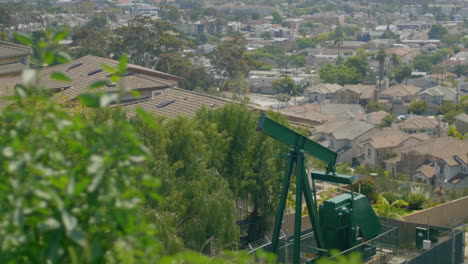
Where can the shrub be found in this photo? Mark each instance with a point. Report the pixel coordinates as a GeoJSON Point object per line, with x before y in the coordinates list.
{"type": "Point", "coordinates": [416, 201]}
{"type": "Point", "coordinates": [390, 196]}
{"type": "Point", "coordinates": [367, 187]}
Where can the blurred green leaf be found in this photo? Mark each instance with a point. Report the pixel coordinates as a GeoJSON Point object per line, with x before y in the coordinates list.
{"type": "Point", "coordinates": [61, 35]}
{"type": "Point", "coordinates": [60, 76]}
{"type": "Point", "coordinates": [97, 84]}
{"type": "Point", "coordinates": [63, 57]}
{"type": "Point", "coordinates": [123, 64]}
{"type": "Point", "coordinates": [23, 38]}
{"type": "Point", "coordinates": [90, 100]}
{"type": "Point", "coordinates": [108, 68]}
{"type": "Point", "coordinates": [49, 57]}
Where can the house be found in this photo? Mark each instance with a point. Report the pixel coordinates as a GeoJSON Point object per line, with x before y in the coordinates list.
{"type": "Point", "coordinates": [13, 59]}
{"type": "Point", "coordinates": [88, 69]}
{"type": "Point", "coordinates": [386, 144]}
{"type": "Point", "coordinates": [421, 124]}
{"type": "Point", "coordinates": [407, 55]}
{"type": "Point", "coordinates": [399, 97]}
{"type": "Point", "coordinates": [175, 102]}
{"type": "Point", "coordinates": [446, 156]}
{"type": "Point", "coordinates": [435, 96]}
{"type": "Point", "coordinates": [374, 118]}
{"type": "Point", "coordinates": [343, 136]}
{"type": "Point", "coordinates": [355, 94]}
{"type": "Point", "coordinates": [461, 123]}
{"type": "Point", "coordinates": [322, 92]}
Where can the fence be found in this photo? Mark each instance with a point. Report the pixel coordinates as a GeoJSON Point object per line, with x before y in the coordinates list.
{"type": "Point", "coordinates": [449, 214]}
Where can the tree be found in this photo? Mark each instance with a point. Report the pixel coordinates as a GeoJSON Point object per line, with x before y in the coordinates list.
{"type": "Point", "coordinates": [304, 43]}
{"type": "Point", "coordinates": [381, 56]}
{"type": "Point", "coordinates": [286, 85]}
{"type": "Point", "coordinates": [402, 73]}
{"type": "Point", "coordinates": [297, 60]}
{"type": "Point", "coordinates": [389, 120]}
{"type": "Point", "coordinates": [453, 132]}
{"type": "Point", "coordinates": [460, 69]}
{"type": "Point", "coordinates": [230, 58]}
{"type": "Point", "coordinates": [417, 107]}
{"type": "Point", "coordinates": [338, 42]}
{"type": "Point", "coordinates": [277, 18]}
{"type": "Point", "coordinates": [437, 31]}
{"type": "Point", "coordinates": [374, 107]}
{"type": "Point", "coordinates": [266, 35]}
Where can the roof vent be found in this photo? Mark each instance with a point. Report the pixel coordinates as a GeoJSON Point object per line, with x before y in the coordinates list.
{"type": "Point", "coordinates": [109, 83]}
{"type": "Point", "coordinates": [94, 72]}
{"type": "Point", "coordinates": [163, 104]}
{"type": "Point", "coordinates": [73, 66]}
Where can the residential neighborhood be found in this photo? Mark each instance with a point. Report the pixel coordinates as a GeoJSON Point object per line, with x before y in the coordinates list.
{"type": "Point", "coordinates": [185, 115]}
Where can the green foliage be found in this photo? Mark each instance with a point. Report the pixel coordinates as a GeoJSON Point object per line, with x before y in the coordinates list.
{"type": "Point", "coordinates": [277, 18]}
{"type": "Point", "coordinates": [304, 43]}
{"type": "Point", "coordinates": [230, 58]}
{"type": "Point", "coordinates": [287, 85]}
{"type": "Point", "coordinates": [416, 201]}
{"type": "Point", "coordinates": [453, 132]}
{"type": "Point", "coordinates": [387, 209]}
{"type": "Point", "coordinates": [390, 196]}
{"type": "Point", "coordinates": [424, 62]}
{"type": "Point", "coordinates": [367, 187]}
{"type": "Point", "coordinates": [195, 76]}
{"type": "Point", "coordinates": [402, 73]}
{"type": "Point", "coordinates": [352, 71]}
{"type": "Point", "coordinates": [374, 107]}
{"type": "Point", "coordinates": [417, 107]}
{"type": "Point", "coordinates": [71, 198]}
{"type": "Point", "coordinates": [297, 60]}
{"type": "Point", "coordinates": [437, 31]}
{"type": "Point", "coordinates": [283, 97]}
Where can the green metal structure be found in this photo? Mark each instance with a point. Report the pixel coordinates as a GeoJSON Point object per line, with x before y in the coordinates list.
{"type": "Point", "coordinates": [344, 221]}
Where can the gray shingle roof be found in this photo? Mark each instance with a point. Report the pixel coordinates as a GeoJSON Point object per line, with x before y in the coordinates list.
{"type": "Point", "coordinates": [447, 93]}
{"type": "Point", "coordinates": [352, 130]}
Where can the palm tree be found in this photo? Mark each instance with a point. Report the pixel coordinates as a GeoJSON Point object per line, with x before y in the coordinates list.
{"type": "Point", "coordinates": [338, 42]}
{"type": "Point", "coordinates": [386, 209]}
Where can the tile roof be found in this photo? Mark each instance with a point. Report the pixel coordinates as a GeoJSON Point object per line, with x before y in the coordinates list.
{"type": "Point", "coordinates": [462, 117]}
{"type": "Point", "coordinates": [419, 122]}
{"type": "Point", "coordinates": [447, 93]}
{"type": "Point", "coordinates": [445, 148]}
{"type": "Point", "coordinates": [331, 126]}
{"type": "Point", "coordinates": [11, 68]}
{"type": "Point", "coordinates": [178, 102]}
{"type": "Point", "coordinates": [365, 91]}
{"type": "Point", "coordinates": [87, 70]}
{"type": "Point", "coordinates": [427, 171]}
{"type": "Point", "coordinates": [352, 130]}
{"type": "Point", "coordinates": [374, 118]}
{"type": "Point", "coordinates": [401, 90]}
{"type": "Point", "coordinates": [389, 138]}
{"type": "Point", "coordinates": [8, 50]}
{"type": "Point", "coordinates": [339, 109]}
{"type": "Point", "coordinates": [325, 88]}
{"type": "Point", "coordinates": [309, 111]}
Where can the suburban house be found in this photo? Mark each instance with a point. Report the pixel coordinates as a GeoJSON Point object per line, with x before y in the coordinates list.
{"type": "Point", "coordinates": [343, 136]}
{"type": "Point", "coordinates": [88, 69]}
{"type": "Point", "coordinates": [322, 92]}
{"type": "Point", "coordinates": [399, 96]}
{"type": "Point", "coordinates": [374, 118]}
{"type": "Point", "coordinates": [442, 162]}
{"type": "Point", "coordinates": [13, 59]}
{"type": "Point", "coordinates": [461, 123]}
{"type": "Point", "coordinates": [435, 96]}
{"type": "Point", "coordinates": [386, 144]}
{"type": "Point", "coordinates": [355, 94]}
{"type": "Point", "coordinates": [421, 124]}
{"type": "Point", "coordinates": [407, 55]}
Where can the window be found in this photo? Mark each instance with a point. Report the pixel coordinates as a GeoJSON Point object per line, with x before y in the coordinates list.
{"type": "Point", "coordinates": [464, 169]}
{"type": "Point", "coordinates": [368, 152]}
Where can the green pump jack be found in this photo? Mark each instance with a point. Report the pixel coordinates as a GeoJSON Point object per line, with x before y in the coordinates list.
{"type": "Point", "coordinates": [344, 222]}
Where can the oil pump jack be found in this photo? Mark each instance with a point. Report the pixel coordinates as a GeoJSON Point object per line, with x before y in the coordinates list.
{"type": "Point", "coordinates": [343, 222]}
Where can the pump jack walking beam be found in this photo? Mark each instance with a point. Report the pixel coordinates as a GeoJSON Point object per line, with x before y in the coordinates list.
{"type": "Point", "coordinates": [299, 146]}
